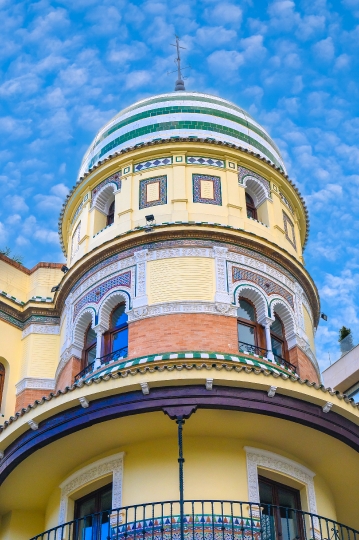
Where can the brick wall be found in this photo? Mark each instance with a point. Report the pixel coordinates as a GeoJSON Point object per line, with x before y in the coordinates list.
{"type": "Point", "coordinates": [67, 375]}
{"type": "Point", "coordinates": [305, 368]}
{"type": "Point", "coordinates": [28, 396]}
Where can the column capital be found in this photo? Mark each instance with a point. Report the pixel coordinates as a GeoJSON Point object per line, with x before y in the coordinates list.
{"type": "Point", "coordinates": [99, 328]}
{"type": "Point", "coordinates": [266, 322]}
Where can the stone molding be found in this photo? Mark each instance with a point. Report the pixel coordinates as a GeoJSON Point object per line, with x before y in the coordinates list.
{"type": "Point", "coordinates": [256, 457]}
{"type": "Point", "coordinates": [41, 329]}
{"type": "Point", "coordinates": [34, 384]}
{"type": "Point", "coordinates": [103, 467]}
{"type": "Point", "coordinates": [180, 252]}
{"type": "Point", "coordinates": [215, 308]}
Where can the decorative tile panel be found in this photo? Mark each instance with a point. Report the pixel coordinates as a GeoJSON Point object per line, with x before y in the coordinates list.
{"type": "Point", "coordinates": [153, 191]}
{"type": "Point", "coordinates": [289, 230]}
{"type": "Point", "coordinates": [286, 202]}
{"type": "Point", "coordinates": [150, 163]}
{"type": "Point", "coordinates": [78, 210]}
{"type": "Point", "coordinates": [207, 189]}
{"type": "Point", "coordinates": [269, 286]}
{"type": "Point", "coordinates": [243, 172]}
{"type": "Point", "coordinates": [96, 294]}
{"type": "Point", "coordinates": [198, 160]}
{"type": "Point", "coordinates": [114, 179]}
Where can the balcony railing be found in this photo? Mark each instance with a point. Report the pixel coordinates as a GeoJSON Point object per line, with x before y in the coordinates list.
{"type": "Point", "coordinates": [284, 362]}
{"type": "Point", "coordinates": [106, 359]}
{"type": "Point", "coordinates": [251, 349]}
{"type": "Point", "coordinates": [201, 520]}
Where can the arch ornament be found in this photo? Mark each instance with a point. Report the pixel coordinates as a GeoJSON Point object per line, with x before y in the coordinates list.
{"type": "Point", "coordinates": [257, 457]}
{"type": "Point", "coordinates": [111, 465]}
{"type": "Point", "coordinates": [286, 314]}
{"type": "Point", "coordinates": [87, 316]}
{"type": "Point", "coordinates": [109, 302]}
{"type": "Point", "coordinates": [104, 198]}
{"type": "Point", "coordinates": [256, 189]}
{"type": "Point", "coordinates": [254, 295]}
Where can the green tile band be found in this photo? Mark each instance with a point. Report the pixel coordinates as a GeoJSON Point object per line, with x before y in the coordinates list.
{"type": "Point", "coordinates": [185, 109]}
{"type": "Point", "coordinates": [183, 124]}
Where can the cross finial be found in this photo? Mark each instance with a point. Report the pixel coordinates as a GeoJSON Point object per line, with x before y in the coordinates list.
{"type": "Point", "coordinates": [179, 83]}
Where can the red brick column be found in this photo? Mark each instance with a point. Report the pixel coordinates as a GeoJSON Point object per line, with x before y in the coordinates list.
{"type": "Point", "coordinates": [305, 368]}
{"type": "Point", "coordinates": [67, 375]}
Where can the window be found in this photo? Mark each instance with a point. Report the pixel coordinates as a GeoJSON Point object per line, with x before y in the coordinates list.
{"type": "Point", "coordinates": [116, 338]}
{"type": "Point", "coordinates": [279, 346]}
{"type": "Point", "coordinates": [251, 208]}
{"type": "Point", "coordinates": [2, 381]}
{"type": "Point", "coordinates": [94, 526]}
{"type": "Point", "coordinates": [111, 214]}
{"type": "Point", "coordinates": [89, 353]}
{"type": "Point", "coordinates": [249, 331]}
{"type": "Point", "coordinates": [283, 522]}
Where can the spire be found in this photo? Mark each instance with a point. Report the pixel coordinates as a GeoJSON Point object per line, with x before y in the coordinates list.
{"type": "Point", "coordinates": [179, 83]}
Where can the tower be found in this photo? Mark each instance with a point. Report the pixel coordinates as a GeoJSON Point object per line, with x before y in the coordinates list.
{"type": "Point", "coordinates": [184, 293]}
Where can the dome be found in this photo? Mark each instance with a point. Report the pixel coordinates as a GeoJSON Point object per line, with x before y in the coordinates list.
{"type": "Point", "coordinates": [181, 114]}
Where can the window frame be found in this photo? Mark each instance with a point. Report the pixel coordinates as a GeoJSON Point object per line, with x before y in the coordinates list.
{"type": "Point", "coordinates": [259, 336]}
{"type": "Point", "coordinates": [282, 338]}
{"type": "Point", "coordinates": [2, 381]}
{"type": "Point", "coordinates": [88, 348]}
{"type": "Point", "coordinates": [108, 335]}
{"type": "Point", "coordinates": [110, 219]}
{"type": "Point", "coordinates": [251, 206]}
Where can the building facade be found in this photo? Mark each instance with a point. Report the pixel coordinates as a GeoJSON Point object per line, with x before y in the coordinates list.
{"type": "Point", "coordinates": [184, 292]}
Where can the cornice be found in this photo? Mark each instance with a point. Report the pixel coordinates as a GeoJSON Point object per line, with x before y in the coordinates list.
{"type": "Point", "coordinates": [190, 232]}
{"type": "Point", "coordinates": [177, 142]}
{"type": "Point", "coordinates": [19, 319]}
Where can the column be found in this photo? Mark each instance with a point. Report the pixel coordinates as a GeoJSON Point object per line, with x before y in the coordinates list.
{"type": "Point", "coordinates": [267, 322]}
{"type": "Point", "coordinates": [141, 298]}
{"type": "Point", "coordinates": [99, 329]}
{"type": "Point", "coordinates": [222, 294]}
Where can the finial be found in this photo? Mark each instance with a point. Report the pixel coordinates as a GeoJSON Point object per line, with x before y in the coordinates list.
{"type": "Point", "coordinates": [179, 83]}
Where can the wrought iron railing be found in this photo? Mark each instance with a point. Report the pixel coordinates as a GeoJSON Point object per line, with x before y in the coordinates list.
{"type": "Point", "coordinates": [284, 362]}
{"type": "Point", "coordinates": [251, 349]}
{"type": "Point", "coordinates": [106, 359]}
{"type": "Point", "coordinates": [113, 356]}
{"type": "Point", "coordinates": [202, 520]}
{"type": "Point", "coordinates": [88, 369]}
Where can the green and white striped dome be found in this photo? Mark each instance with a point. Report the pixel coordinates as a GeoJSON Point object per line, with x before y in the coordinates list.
{"type": "Point", "coordinates": [181, 114]}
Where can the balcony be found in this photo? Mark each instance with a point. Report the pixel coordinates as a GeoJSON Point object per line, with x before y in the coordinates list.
{"type": "Point", "coordinates": [201, 520]}
{"type": "Point", "coordinates": [103, 361]}
{"type": "Point", "coordinates": [247, 348]}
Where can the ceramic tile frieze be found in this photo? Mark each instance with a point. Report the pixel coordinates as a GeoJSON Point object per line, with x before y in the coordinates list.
{"type": "Point", "coordinates": [269, 286]}
{"type": "Point", "coordinates": [150, 163]}
{"type": "Point", "coordinates": [212, 184]}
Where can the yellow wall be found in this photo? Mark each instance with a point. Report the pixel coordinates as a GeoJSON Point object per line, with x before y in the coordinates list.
{"type": "Point", "coordinates": [40, 355]}
{"type": "Point", "coordinates": [308, 325]}
{"type": "Point", "coordinates": [180, 205]}
{"type": "Point", "coordinates": [20, 525]}
{"type": "Point", "coordinates": [185, 278]}
{"type": "Point", "coordinates": [10, 356]}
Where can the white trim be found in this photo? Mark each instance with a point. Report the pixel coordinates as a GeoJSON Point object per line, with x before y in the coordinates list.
{"type": "Point", "coordinates": [256, 457]}
{"type": "Point", "coordinates": [111, 464]}
{"type": "Point", "coordinates": [41, 329]}
{"type": "Point", "coordinates": [35, 384]}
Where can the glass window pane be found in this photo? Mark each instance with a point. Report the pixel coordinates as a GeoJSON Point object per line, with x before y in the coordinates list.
{"type": "Point", "coordinates": [90, 337]}
{"type": "Point", "coordinates": [91, 355]}
{"type": "Point", "coordinates": [276, 327]}
{"type": "Point", "coordinates": [246, 311]}
{"type": "Point", "coordinates": [119, 316]}
{"type": "Point", "coordinates": [246, 334]}
{"type": "Point", "coordinates": [277, 346]}
{"type": "Point", "coordinates": [120, 339]}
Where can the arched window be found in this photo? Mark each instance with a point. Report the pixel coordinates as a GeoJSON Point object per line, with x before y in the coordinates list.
{"type": "Point", "coordinates": [89, 352]}
{"type": "Point", "coordinates": [2, 381]}
{"type": "Point", "coordinates": [116, 338]}
{"type": "Point", "coordinates": [251, 208]}
{"type": "Point", "coordinates": [250, 334]}
{"type": "Point", "coordinates": [111, 214]}
{"type": "Point", "coordinates": [279, 345]}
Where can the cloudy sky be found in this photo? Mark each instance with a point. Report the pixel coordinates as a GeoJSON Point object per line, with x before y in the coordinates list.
{"type": "Point", "coordinates": [68, 66]}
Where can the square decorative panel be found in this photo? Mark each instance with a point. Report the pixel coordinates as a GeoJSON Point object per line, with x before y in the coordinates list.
{"type": "Point", "coordinates": [179, 159]}
{"type": "Point", "coordinates": [153, 191]}
{"type": "Point", "coordinates": [231, 165]}
{"type": "Point", "coordinates": [126, 170]}
{"type": "Point", "coordinates": [207, 189]}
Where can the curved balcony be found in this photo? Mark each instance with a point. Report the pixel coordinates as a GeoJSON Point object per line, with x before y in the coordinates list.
{"type": "Point", "coordinates": [201, 520]}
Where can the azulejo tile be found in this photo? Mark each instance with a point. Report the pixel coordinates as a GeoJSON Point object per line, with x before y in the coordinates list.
{"type": "Point", "coordinates": [150, 163]}
{"type": "Point", "coordinates": [199, 160]}
{"type": "Point", "coordinates": [269, 286]}
{"type": "Point", "coordinates": [207, 189]}
{"type": "Point", "coordinates": [153, 191]}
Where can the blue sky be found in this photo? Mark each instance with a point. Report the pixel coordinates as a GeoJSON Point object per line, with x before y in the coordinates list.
{"type": "Point", "coordinates": [69, 66]}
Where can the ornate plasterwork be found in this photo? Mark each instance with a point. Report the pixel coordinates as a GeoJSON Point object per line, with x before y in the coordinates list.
{"type": "Point", "coordinates": [111, 465]}
{"type": "Point", "coordinates": [41, 329]}
{"type": "Point", "coordinates": [35, 384]}
{"type": "Point", "coordinates": [217, 308]}
{"type": "Point", "coordinates": [179, 252]}
{"type": "Point", "coordinates": [257, 457]}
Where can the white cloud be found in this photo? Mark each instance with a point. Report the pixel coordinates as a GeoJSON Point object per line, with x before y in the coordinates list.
{"type": "Point", "coordinates": [225, 13]}
{"type": "Point", "coordinates": [17, 203]}
{"type": "Point", "coordinates": [60, 190]}
{"type": "Point", "coordinates": [324, 49]}
{"type": "Point", "coordinates": [225, 62]}
{"type": "Point", "coordinates": [214, 36]}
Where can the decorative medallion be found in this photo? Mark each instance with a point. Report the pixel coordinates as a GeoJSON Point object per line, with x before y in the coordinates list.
{"type": "Point", "coordinates": [207, 189]}
{"type": "Point", "coordinates": [153, 191]}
